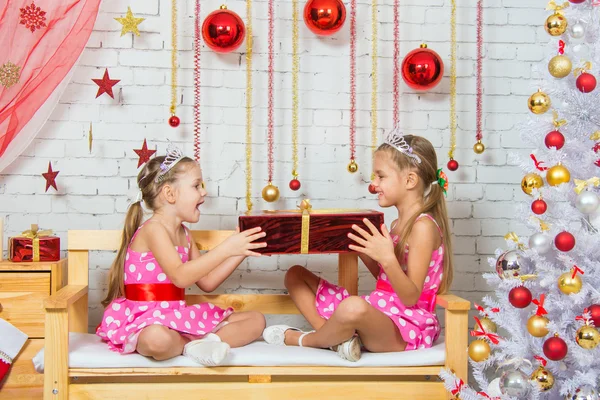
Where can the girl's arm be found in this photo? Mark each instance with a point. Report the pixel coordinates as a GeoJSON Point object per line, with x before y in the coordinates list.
{"type": "Point", "coordinates": [370, 264]}
{"type": "Point", "coordinates": [185, 274]}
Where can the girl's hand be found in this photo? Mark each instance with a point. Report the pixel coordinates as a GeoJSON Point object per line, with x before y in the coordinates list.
{"type": "Point", "coordinates": [378, 246]}
{"type": "Point", "coordinates": [242, 243]}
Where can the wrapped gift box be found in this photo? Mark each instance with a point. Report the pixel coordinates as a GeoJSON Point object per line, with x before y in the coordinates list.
{"type": "Point", "coordinates": [34, 245]}
{"type": "Point", "coordinates": [308, 231]}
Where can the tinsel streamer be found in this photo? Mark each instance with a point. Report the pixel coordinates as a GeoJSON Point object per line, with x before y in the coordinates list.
{"type": "Point", "coordinates": [374, 26]}
{"type": "Point", "coordinates": [396, 90]}
{"type": "Point", "coordinates": [479, 110]}
{"type": "Point", "coordinates": [452, 80]}
{"type": "Point", "coordinates": [197, 47]}
{"type": "Point", "coordinates": [271, 128]}
{"type": "Point", "coordinates": [173, 56]}
{"type": "Point", "coordinates": [295, 71]}
{"type": "Point", "coordinates": [249, 105]}
{"type": "Point", "coordinates": [352, 80]}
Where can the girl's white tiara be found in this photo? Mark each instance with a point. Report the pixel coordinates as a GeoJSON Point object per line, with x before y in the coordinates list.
{"type": "Point", "coordinates": [396, 140]}
{"type": "Point", "coordinates": [174, 155]}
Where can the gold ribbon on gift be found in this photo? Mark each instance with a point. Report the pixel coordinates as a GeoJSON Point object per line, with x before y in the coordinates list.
{"type": "Point", "coordinates": [595, 136]}
{"type": "Point", "coordinates": [557, 7]}
{"type": "Point", "coordinates": [513, 236]}
{"type": "Point", "coordinates": [586, 67]}
{"type": "Point", "coordinates": [557, 122]}
{"type": "Point", "coordinates": [581, 184]}
{"type": "Point", "coordinates": [35, 234]}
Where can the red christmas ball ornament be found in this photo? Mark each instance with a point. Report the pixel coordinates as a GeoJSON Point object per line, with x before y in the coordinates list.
{"type": "Point", "coordinates": [594, 310]}
{"type": "Point", "coordinates": [174, 121]}
{"type": "Point", "coordinates": [453, 165]}
{"type": "Point", "coordinates": [223, 30]}
{"type": "Point", "coordinates": [372, 189]}
{"type": "Point", "coordinates": [422, 68]}
{"type": "Point", "coordinates": [324, 17]}
{"type": "Point", "coordinates": [564, 241]}
{"type": "Point", "coordinates": [555, 348]}
{"type": "Point", "coordinates": [554, 139]}
{"type": "Point", "coordinates": [539, 207]}
{"type": "Point", "coordinates": [519, 297]}
{"type": "Point", "coordinates": [576, 1]}
{"type": "Point", "coordinates": [586, 82]}
{"type": "Point", "coordinates": [295, 184]}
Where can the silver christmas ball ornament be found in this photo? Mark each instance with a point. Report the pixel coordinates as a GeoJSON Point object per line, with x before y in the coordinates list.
{"type": "Point", "coordinates": [515, 383]}
{"type": "Point", "coordinates": [583, 393]}
{"type": "Point", "coordinates": [587, 202]}
{"type": "Point", "coordinates": [540, 242]}
{"type": "Point", "coordinates": [577, 30]}
{"type": "Point", "coordinates": [509, 264]}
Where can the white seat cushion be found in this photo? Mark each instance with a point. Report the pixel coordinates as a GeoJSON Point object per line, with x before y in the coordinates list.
{"type": "Point", "coordinates": [88, 351]}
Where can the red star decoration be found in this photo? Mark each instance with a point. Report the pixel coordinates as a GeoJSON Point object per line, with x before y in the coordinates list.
{"type": "Point", "coordinates": [144, 153]}
{"type": "Point", "coordinates": [50, 177]}
{"type": "Point", "coordinates": [105, 84]}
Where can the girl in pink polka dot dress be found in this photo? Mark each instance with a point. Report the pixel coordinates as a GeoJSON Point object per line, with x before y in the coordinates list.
{"type": "Point", "coordinates": [146, 309]}
{"type": "Point", "coordinates": [412, 263]}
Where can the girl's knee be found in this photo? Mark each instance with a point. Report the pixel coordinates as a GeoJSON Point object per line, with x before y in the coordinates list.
{"type": "Point", "coordinates": [294, 275]}
{"type": "Point", "coordinates": [157, 340]}
{"type": "Point", "coordinates": [352, 309]}
{"type": "Point", "coordinates": [258, 322]}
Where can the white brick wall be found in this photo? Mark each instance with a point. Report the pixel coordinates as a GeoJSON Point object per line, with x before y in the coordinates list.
{"type": "Point", "coordinates": [93, 187]}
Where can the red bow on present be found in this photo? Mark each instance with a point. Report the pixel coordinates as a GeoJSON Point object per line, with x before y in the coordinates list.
{"type": "Point", "coordinates": [457, 387]}
{"type": "Point", "coordinates": [540, 304]}
{"type": "Point", "coordinates": [538, 163]}
{"type": "Point", "coordinates": [561, 47]}
{"type": "Point", "coordinates": [491, 336]}
{"type": "Point", "coordinates": [576, 269]}
{"type": "Point", "coordinates": [542, 360]}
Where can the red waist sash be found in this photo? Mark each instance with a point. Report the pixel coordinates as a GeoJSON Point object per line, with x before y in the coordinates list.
{"type": "Point", "coordinates": [426, 301]}
{"type": "Point", "coordinates": [154, 292]}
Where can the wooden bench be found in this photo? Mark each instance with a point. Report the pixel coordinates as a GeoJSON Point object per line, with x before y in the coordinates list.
{"type": "Point", "coordinates": [67, 311]}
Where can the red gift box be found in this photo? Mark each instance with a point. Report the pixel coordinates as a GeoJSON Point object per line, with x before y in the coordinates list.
{"type": "Point", "coordinates": [308, 231]}
{"type": "Point", "coordinates": [34, 245]}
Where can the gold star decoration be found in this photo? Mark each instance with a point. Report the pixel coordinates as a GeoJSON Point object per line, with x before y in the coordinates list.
{"type": "Point", "coordinates": [130, 23]}
{"type": "Point", "coordinates": [9, 74]}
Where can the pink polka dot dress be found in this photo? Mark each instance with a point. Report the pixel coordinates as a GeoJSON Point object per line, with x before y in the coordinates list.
{"type": "Point", "coordinates": [418, 324]}
{"type": "Point", "coordinates": [125, 318]}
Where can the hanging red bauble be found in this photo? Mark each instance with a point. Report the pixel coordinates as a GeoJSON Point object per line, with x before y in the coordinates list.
{"type": "Point", "coordinates": [564, 241]}
{"type": "Point", "coordinates": [555, 348]}
{"type": "Point", "coordinates": [422, 68]}
{"type": "Point", "coordinates": [223, 30]}
{"type": "Point", "coordinates": [295, 184]}
{"type": "Point", "coordinates": [577, 1]}
{"type": "Point", "coordinates": [594, 310]}
{"type": "Point", "coordinates": [519, 297]}
{"type": "Point", "coordinates": [555, 139]}
{"type": "Point", "coordinates": [372, 189]}
{"type": "Point", "coordinates": [539, 207]}
{"type": "Point", "coordinates": [452, 165]}
{"type": "Point", "coordinates": [174, 121]}
{"type": "Point", "coordinates": [324, 17]}
{"type": "Point", "coordinates": [586, 82]}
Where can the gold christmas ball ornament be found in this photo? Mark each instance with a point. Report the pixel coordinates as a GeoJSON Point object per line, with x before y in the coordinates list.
{"type": "Point", "coordinates": [479, 350]}
{"type": "Point", "coordinates": [488, 325]}
{"type": "Point", "coordinates": [560, 66]}
{"type": "Point", "coordinates": [556, 24]}
{"type": "Point", "coordinates": [543, 378]}
{"type": "Point", "coordinates": [557, 175]}
{"type": "Point", "coordinates": [270, 193]}
{"type": "Point", "coordinates": [587, 337]}
{"type": "Point", "coordinates": [539, 102]}
{"type": "Point", "coordinates": [478, 148]}
{"type": "Point", "coordinates": [567, 284]}
{"type": "Point", "coordinates": [537, 325]}
{"type": "Point", "coordinates": [352, 167]}
{"type": "Point", "coordinates": [531, 181]}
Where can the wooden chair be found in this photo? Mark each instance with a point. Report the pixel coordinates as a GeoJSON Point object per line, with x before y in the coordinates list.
{"type": "Point", "coordinates": [67, 311]}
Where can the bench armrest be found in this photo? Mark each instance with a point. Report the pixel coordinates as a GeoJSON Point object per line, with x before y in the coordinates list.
{"type": "Point", "coordinates": [66, 296]}
{"type": "Point", "coordinates": [453, 303]}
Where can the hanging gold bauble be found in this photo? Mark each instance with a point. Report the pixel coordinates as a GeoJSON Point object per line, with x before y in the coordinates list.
{"type": "Point", "coordinates": [567, 284]}
{"type": "Point", "coordinates": [560, 66]}
{"type": "Point", "coordinates": [543, 377]}
{"type": "Point", "coordinates": [539, 102]}
{"type": "Point", "coordinates": [352, 167]}
{"type": "Point", "coordinates": [556, 24]}
{"type": "Point", "coordinates": [587, 337]}
{"type": "Point", "coordinates": [531, 181]}
{"type": "Point", "coordinates": [270, 193]}
{"type": "Point", "coordinates": [478, 147]}
{"type": "Point", "coordinates": [488, 325]}
{"type": "Point", "coordinates": [557, 175]}
{"type": "Point", "coordinates": [479, 350]}
{"type": "Point", "coordinates": [537, 325]}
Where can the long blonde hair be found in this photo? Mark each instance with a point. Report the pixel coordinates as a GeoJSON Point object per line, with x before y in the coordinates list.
{"type": "Point", "coordinates": [434, 202]}
{"type": "Point", "coordinates": [146, 181]}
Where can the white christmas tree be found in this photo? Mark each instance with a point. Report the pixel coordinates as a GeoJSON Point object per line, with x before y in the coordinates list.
{"type": "Point", "coordinates": [538, 337]}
